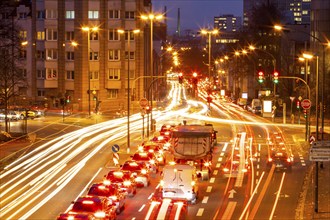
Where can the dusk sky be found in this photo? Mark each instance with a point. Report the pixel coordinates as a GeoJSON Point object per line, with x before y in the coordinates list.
{"type": "Point", "coordinates": [196, 14]}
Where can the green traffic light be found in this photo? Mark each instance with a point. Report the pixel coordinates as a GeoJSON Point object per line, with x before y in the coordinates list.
{"type": "Point", "coordinates": [275, 81]}
{"type": "Point", "coordinates": [260, 80]}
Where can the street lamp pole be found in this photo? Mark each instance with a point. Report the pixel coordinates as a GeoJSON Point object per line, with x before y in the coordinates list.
{"type": "Point", "coordinates": [129, 32]}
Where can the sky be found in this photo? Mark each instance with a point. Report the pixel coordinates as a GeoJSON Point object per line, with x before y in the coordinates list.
{"type": "Point", "coordinates": [196, 14]}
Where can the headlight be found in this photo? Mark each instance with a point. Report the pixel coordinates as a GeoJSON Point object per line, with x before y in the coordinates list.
{"type": "Point", "coordinates": [99, 214]}
{"type": "Point", "coordinates": [127, 183]}
{"type": "Point", "coordinates": [114, 198]}
{"type": "Point", "coordinates": [193, 183]}
{"type": "Point", "coordinates": [152, 162]}
{"type": "Point", "coordinates": [225, 169]}
{"type": "Point", "coordinates": [162, 183]}
{"type": "Point", "coordinates": [144, 171]}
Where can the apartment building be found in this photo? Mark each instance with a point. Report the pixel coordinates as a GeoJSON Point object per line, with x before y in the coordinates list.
{"type": "Point", "coordinates": [67, 59]}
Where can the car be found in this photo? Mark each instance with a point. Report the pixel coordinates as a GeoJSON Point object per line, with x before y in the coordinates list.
{"type": "Point", "coordinates": [123, 179]}
{"type": "Point", "coordinates": [112, 192]}
{"type": "Point", "coordinates": [281, 160]}
{"type": "Point", "coordinates": [27, 113]}
{"type": "Point", "coordinates": [166, 130]}
{"type": "Point", "coordinates": [139, 171]}
{"type": "Point", "coordinates": [163, 141]}
{"type": "Point", "coordinates": [90, 207]}
{"type": "Point", "coordinates": [147, 157]}
{"type": "Point", "coordinates": [155, 148]}
{"type": "Point", "coordinates": [11, 115]}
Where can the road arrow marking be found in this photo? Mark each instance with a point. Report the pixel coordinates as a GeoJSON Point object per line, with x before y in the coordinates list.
{"type": "Point", "coordinates": [231, 194]}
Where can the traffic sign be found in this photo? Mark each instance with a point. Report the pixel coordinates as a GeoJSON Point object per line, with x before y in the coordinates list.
{"type": "Point", "coordinates": [306, 104]}
{"type": "Point", "coordinates": [115, 148]}
{"type": "Point", "coordinates": [320, 151]}
{"type": "Point", "coordinates": [311, 139]}
{"type": "Point", "coordinates": [319, 158]}
{"type": "Point", "coordinates": [116, 158]}
{"type": "Point", "coordinates": [321, 144]}
{"type": "Point", "coordinates": [143, 102]}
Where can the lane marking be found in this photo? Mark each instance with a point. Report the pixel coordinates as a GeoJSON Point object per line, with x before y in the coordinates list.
{"type": "Point", "coordinates": [218, 165]}
{"type": "Point", "coordinates": [209, 189]}
{"type": "Point", "coordinates": [215, 172]}
{"type": "Point", "coordinates": [219, 159]}
{"type": "Point", "coordinates": [205, 199]}
{"type": "Point", "coordinates": [229, 210]}
{"type": "Point", "coordinates": [221, 154]}
{"type": "Point", "coordinates": [200, 212]}
{"type": "Point", "coordinates": [142, 207]}
{"type": "Point", "coordinates": [212, 180]}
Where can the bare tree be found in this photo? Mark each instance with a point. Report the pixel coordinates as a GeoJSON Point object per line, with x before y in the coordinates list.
{"type": "Point", "coordinates": [11, 77]}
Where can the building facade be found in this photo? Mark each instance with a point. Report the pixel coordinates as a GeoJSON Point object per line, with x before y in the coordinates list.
{"type": "Point", "coordinates": [66, 59]}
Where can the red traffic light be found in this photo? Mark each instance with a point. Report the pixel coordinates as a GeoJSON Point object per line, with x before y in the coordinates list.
{"type": "Point", "coordinates": [260, 73]}
{"type": "Point", "coordinates": [148, 109]}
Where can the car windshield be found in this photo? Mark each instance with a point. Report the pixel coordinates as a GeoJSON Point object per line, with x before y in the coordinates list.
{"type": "Point", "coordinates": [86, 206]}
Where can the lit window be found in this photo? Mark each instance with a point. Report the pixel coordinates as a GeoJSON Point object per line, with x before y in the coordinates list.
{"type": "Point", "coordinates": [93, 14]}
{"type": "Point", "coordinates": [114, 55]}
{"type": "Point", "coordinates": [40, 35]}
{"type": "Point", "coordinates": [51, 73]}
{"type": "Point", "coordinates": [69, 15]}
{"type": "Point", "coordinates": [23, 35]}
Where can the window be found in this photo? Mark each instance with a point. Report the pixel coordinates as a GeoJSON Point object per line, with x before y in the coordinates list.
{"type": "Point", "coordinates": [132, 55]}
{"type": "Point", "coordinates": [51, 34]}
{"type": "Point", "coordinates": [129, 14]}
{"type": "Point", "coordinates": [70, 75]}
{"type": "Point", "coordinates": [94, 75]}
{"type": "Point", "coordinates": [69, 15]}
{"type": "Point", "coordinates": [93, 14]}
{"type": "Point", "coordinates": [41, 74]}
{"type": "Point", "coordinates": [114, 55]}
{"type": "Point", "coordinates": [51, 14]}
{"type": "Point", "coordinates": [23, 35]}
{"type": "Point", "coordinates": [40, 35]}
{"type": "Point", "coordinates": [112, 93]}
{"type": "Point", "coordinates": [113, 34]}
{"type": "Point", "coordinates": [51, 73]}
{"type": "Point", "coordinates": [22, 15]}
{"type": "Point", "coordinates": [51, 54]}
{"type": "Point", "coordinates": [22, 54]}
{"type": "Point", "coordinates": [40, 14]}
{"type": "Point", "coordinates": [69, 55]}
{"type": "Point", "coordinates": [94, 35]}
{"type": "Point", "coordinates": [93, 55]}
{"type": "Point", "coordinates": [40, 54]}
{"type": "Point", "coordinates": [23, 73]}
{"type": "Point", "coordinates": [114, 14]}
{"type": "Point", "coordinates": [114, 74]}
{"type": "Point", "coordinates": [69, 36]}
{"type": "Point", "coordinates": [41, 93]}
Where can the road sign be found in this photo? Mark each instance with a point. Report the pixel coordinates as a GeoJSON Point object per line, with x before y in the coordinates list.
{"type": "Point", "coordinates": [319, 158]}
{"type": "Point", "coordinates": [115, 148]}
{"type": "Point", "coordinates": [143, 102]}
{"type": "Point", "coordinates": [319, 153]}
{"type": "Point", "coordinates": [321, 144]}
{"type": "Point", "coordinates": [116, 158]}
{"type": "Point", "coordinates": [311, 139]}
{"type": "Point", "coordinates": [306, 104]}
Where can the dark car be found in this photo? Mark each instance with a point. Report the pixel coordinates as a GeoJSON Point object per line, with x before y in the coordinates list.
{"type": "Point", "coordinates": [111, 192]}
{"type": "Point", "coordinates": [281, 160]}
{"type": "Point", "coordinates": [123, 179]}
{"type": "Point", "coordinates": [90, 207]}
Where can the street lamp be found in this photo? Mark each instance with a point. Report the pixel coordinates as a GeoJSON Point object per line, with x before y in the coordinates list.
{"type": "Point", "coordinates": [129, 32]}
{"type": "Point", "coordinates": [151, 17]}
{"type": "Point", "coordinates": [209, 33]}
{"type": "Point", "coordinates": [89, 30]}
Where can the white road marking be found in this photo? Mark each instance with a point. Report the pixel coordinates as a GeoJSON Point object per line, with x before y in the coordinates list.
{"type": "Point", "coordinates": [209, 189]}
{"type": "Point", "coordinates": [212, 180]}
{"type": "Point", "coordinates": [218, 165]}
{"type": "Point", "coordinates": [229, 210]}
{"type": "Point", "coordinates": [142, 207]}
{"type": "Point", "coordinates": [215, 172]}
{"type": "Point", "coordinates": [219, 159]}
{"type": "Point", "coordinates": [205, 199]}
{"type": "Point", "coordinates": [200, 212]}
{"type": "Point", "coordinates": [221, 154]}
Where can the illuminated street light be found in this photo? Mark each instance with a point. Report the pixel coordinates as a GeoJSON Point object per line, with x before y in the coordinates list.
{"type": "Point", "coordinates": [89, 30]}
{"type": "Point", "coordinates": [209, 33]}
{"type": "Point", "coordinates": [129, 32]}
{"type": "Point", "coordinates": [151, 17]}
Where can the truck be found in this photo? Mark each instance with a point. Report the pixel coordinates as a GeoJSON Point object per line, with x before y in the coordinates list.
{"type": "Point", "coordinates": [193, 144]}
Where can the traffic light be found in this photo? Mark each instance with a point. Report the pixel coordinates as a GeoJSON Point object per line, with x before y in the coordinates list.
{"type": "Point", "coordinates": [180, 78]}
{"type": "Point", "coordinates": [209, 99]}
{"type": "Point", "coordinates": [261, 76]}
{"type": "Point", "coordinates": [275, 77]}
{"type": "Point", "coordinates": [148, 109]}
{"type": "Point", "coordinates": [305, 113]}
{"type": "Point", "coordinates": [195, 79]}
{"type": "Point", "coordinates": [68, 99]}
{"type": "Point", "coordinates": [298, 104]}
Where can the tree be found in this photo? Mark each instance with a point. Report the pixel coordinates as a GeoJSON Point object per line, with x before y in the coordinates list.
{"type": "Point", "coordinates": [11, 77]}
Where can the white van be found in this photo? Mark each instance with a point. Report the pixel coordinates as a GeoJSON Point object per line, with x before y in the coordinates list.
{"type": "Point", "coordinates": [179, 182]}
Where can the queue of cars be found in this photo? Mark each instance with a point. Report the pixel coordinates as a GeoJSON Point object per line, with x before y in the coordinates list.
{"type": "Point", "coordinates": [106, 199]}
{"type": "Point", "coordinates": [18, 114]}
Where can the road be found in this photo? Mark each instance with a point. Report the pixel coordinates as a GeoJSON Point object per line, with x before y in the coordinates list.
{"type": "Point", "coordinates": [61, 166]}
